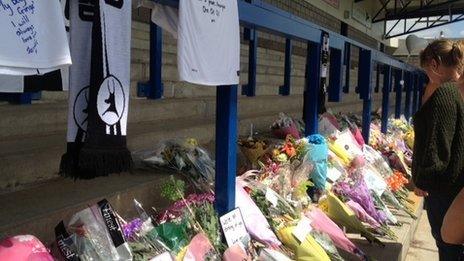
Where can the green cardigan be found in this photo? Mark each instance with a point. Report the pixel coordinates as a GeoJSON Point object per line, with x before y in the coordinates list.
{"type": "Point", "coordinates": [438, 159]}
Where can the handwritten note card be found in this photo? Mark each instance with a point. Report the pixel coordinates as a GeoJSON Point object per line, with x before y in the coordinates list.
{"type": "Point", "coordinates": [234, 228]}
{"type": "Point", "coordinates": [213, 8]}
{"type": "Point", "coordinates": [19, 13]}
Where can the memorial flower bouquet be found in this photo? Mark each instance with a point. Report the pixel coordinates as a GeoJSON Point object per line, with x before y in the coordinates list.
{"type": "Point", "coordinates": [185, 156]}
{"type": "Point", "coordinates": [253, 149]}
{"type": "Point", "coordinates": [285, 126]}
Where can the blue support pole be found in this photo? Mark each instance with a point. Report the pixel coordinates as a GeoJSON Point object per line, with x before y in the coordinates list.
{"type": "Point", "coordinates": [399, 92]}
{"type": "Point", "coordinates": [18, 98]}
{"type": "Point", "coordinates": [251, 35]}
{"type": "Point", "coordinates": [335, 72]}
{"type": "Point", "coordinates": [313, 82]}
{"type": "Point", "coordinates": [365, 89]}
{"type": "Point", "coordinates": [386, 97]}
{"type": "Point", "coordinates": [284, 90]}
{"type": "Point", "coordinates": [377, 78]}
{"type": "Point", "coordinates": [347, 63]}
{"type": "Point", "coordinates": [408, 87]}
{"type": "Point", "coordinates": [226, 148]}
{"type": "Point", "coordinates": [154, 88]}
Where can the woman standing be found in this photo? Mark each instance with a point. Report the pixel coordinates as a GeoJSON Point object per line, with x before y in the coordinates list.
{"type": "Point", "coordinates": [438, 159]}
{"type": "Point", "coordinates": [452, 230]}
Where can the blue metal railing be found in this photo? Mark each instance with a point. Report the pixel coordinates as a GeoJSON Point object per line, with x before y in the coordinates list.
{"type": "Point", "coordinates": [257, 15]}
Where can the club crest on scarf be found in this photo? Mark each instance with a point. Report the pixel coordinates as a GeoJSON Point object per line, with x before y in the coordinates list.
{"type": "Point", "coordinates": [80, 112]}
{"type": "Point", "coordinates": [111, 103]}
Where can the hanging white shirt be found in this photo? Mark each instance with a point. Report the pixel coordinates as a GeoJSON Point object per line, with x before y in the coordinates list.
{"type": "Point", "coordinates": [165, 17]}
{"type": "Point", "coordinates": [33, 37]}
{"type": "Point", "coordinates": [209, 42]}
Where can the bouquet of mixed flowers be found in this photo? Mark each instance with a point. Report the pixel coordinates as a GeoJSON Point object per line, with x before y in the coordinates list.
{"type": "Point", "coordinates": [285, 126]}
{"type": "Point", "coordinates": [183, 156]}
{"type": "Point", "coordinates": [253, 149]}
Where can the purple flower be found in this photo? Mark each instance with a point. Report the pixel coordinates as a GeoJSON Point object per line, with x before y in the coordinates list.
{"type": "Point", "coordinates": [359, 193]}
{"type": "Point", "coordinates": [131, 229]}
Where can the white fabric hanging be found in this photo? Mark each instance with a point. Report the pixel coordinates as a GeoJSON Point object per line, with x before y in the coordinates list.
{"type": "Point", "coordinates": [209, 42]}
{"type": "Point", "coordinates": [33, 37]}
{"type": "Point", "coordinates": [166, 17]}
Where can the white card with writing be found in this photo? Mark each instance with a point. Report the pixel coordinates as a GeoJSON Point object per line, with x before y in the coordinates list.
{"type": "Point", "coordinates": [333, 174]}
{"type": "Point", "coordinates": [374, 182]}
{"type": "Point", "coordinates": [234, 228]}
{"type": "Point", "coordinates": [271, 197]}
{"type": "Point", "coordinates": [302, 229]}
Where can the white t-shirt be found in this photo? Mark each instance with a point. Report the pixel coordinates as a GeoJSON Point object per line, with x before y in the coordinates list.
{"type": "Point", "coordinates": [209, 42]}
{"type": "Point", "coordinates": [33, 37]}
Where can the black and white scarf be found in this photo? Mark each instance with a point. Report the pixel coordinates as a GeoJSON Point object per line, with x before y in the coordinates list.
{"type": "Point", "coordinates": [99, 89]}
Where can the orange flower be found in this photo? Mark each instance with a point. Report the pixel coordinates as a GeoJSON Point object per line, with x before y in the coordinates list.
{"type": "Point", "coordinates": [397, 181]}
{"type": "Point", "coordinates": [289, 150]}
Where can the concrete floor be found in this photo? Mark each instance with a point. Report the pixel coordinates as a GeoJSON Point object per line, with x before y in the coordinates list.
{"type": "Point", "coordinates": [423, 245]}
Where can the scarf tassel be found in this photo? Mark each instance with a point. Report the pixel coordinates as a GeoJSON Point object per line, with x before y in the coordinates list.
{"type": "Point", "coordinates": [102, 162]}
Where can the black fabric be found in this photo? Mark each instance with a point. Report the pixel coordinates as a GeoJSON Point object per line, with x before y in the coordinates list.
{"type": "Point", "coordinates": [103, 153]}
{"type": "Point", "coordinates": [51, 81]}
{"type": "Point", "coordinates": [437, 205]}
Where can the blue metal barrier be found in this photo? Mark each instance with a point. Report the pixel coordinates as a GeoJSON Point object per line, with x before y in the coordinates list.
{"type": "Point", "coordinates": [399, 92]}
{"type": "Point", "coordinates": [312, 85]}
{"type": "Point", "coordinates": [335, 72]}
{"type": "Point", "coordinates": [251, 35]}
{"type": "Point", "coordinates": [347, 63]}
{"type": "Point", "coordinates": [258, 15]}
{"type": "Point", "coordinates": [226, 148]}
{"type": "Point", "coordinates": [154, 88]}
{"type": "Point", "coordinates": [284, 90]}
{"type": "Point", "coordinates": [365, 89]}
{"type": "Point", "coordinates": [387, 77]}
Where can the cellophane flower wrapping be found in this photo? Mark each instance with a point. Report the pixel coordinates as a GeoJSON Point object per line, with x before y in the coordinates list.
{"type": "Point", "coordinates": [253, 149]}
{"type": "Point", "coordinates": [326, 243]}
{"type": "Point", "coordinates": [173, 234]}
{"type": "Point", "coordinates": [341, 214]}
{"type": "Point", "coordinates": [180, 155]}
{"type": "Point", "coordinates": [322, 223]}
{"type": "Point", "coordinates": [346, 140]}
{"type": "Point", "coordinates": [235, 253]}
{"type": "Point", "coordinates": [177, 209]}
{"type": "Point", "coordinates": [285, 126]}
{"type": "Point", "coordinates": [326, 127]}
{"type": "Point", "coordinates": [23, 248]}
{"type": "Point", "coordinates": [358, 136]}
{"type": "Point", "coordinates": [199, 248]}
{"type": "Point", "coordinates": [255, 222]}
{"type": "Point", "coordinates": [308, 250]}
{"type": "Point", "coordinates": [359, 192]}
{"type": "Point", "coordinates": [362, 214]}
{"type": "Point", "coordinates": [269, 254]}
{"type": "Point", "coordinates": [92, 240]}
{"type": "Point", "coordinates": [318, 155]}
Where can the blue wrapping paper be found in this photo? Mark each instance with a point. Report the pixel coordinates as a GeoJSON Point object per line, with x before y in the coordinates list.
{"type": "Point", "coordinates": [317, 154]}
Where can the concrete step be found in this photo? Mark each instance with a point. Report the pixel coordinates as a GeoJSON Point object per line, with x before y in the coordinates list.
{"type": "Point", "coordinates": [42, 118]}
{"type": "Point", "coordinates": [31, 159]}
{"type": "Point", "coordinates": [395, 250]}
{"type": "Point", "coordinates": [37, 210]}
